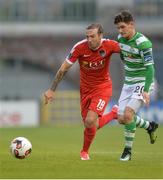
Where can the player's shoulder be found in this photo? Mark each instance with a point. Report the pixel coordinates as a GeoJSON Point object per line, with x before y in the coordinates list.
{"type": "Point", "coordinates": [108, 41]}
{"type": "Point", "coordinates": [141, 39]}
{"type": "Point", "coordinates": [120, 39]}
{"type": "Point", "coordinates": [80, 44]}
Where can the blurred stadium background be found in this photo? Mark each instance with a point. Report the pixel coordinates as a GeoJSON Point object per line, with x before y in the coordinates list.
{"type": "Point", "coordinates": [35, 38]}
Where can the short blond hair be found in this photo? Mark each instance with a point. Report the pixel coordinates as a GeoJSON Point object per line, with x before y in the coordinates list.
{"type": "Point", "coordinates": [96, 26]}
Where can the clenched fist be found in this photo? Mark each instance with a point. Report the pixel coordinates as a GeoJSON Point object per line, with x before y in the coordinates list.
{"type": "Point", "coordinates": [49, 96]}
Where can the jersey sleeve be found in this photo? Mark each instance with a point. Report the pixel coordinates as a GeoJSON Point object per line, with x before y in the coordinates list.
{"type": "Point", "coordinates": [146, 53]}
{"type": "Point", "coordinates": [149, 78]}
{"type": "Point", "coordinates": [147, 56]}
{"type": "Point", "coordinates": [73, 55]}
{"type": "Point", "coordinates": [115, 46]}
{"type": "Point", "coordinates": [145, 48]}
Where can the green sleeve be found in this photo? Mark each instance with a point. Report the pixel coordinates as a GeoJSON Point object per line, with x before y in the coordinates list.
{"type": "Point", "coordinates": [149, 77]}
{"type": "Point", "coordinates": [145, 45]}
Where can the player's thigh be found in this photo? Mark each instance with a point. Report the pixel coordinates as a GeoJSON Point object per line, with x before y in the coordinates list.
{"type": "Point", "coordinates": [131, 103]}
{"type": "Point", "coordinates": [138, 90]}
{"type": "Point", "coordinates": [131, 96]}
{"type": "Point", "coordinates": [122, 105]}
{"type": "Point", "coordinates": [84, 103]}
{"type": "Point", "coordinates": [98, 104]}
{"type": "Point", "coordinates": [92, 107]}
{"type": "Point", "coordinates": [127, 109]}
{"type": "Point", "coordinates": [135, 104]}
{"type": "Point", "coordinates": [125, 96]}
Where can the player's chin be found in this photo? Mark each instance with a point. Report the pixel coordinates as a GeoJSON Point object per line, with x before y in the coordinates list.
{"type": "Point", "coordinates": [124, 35]}
{"type": "Point", "coordinates": [91, 46]}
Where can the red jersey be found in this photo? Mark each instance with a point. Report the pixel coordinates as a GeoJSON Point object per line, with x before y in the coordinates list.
{"type": "Point", "coordinates": [94, 64]}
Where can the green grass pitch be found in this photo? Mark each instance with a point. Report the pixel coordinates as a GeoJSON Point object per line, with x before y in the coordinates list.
{"type": "Point", "coordinates": [56, 154]}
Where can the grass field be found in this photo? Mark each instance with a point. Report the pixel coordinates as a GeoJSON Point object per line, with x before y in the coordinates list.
{"type": "Point", "coordinates": [56, 154]}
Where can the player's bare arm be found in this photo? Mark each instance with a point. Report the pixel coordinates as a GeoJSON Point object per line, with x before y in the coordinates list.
{"type": "Point", "coordinates": [146, 98]}
{"type": "Point", "coordinates": [60, 74]}
{"type": "Point", "coordinates": [49, 94]}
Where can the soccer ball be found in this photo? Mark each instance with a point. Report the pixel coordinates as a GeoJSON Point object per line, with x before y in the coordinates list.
{"type": "Point", "coordinates": [21, 147]}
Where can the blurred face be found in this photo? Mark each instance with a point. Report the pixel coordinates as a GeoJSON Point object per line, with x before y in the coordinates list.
{"type": "Point", "coordinates": [94, 38]}
{"type": "Point", "coordinates": [127, 30]}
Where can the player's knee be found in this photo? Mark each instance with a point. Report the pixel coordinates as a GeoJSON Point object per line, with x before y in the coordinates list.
{"type": "Point", "coordinates": [89, 122]}
{"type": "Point", "coordinates": [128, 117]}
{"type": "Point", "coordinates": [121, 119]}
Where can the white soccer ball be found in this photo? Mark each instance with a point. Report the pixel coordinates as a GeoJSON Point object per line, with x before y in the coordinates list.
{"type": "Point", "coordinates": [21, 147]}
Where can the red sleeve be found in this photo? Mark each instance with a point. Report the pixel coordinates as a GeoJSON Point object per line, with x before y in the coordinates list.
{"type": "Point", "coordinates": [115, 46]}
{"type": "Point", "coordinates": [73, 55]}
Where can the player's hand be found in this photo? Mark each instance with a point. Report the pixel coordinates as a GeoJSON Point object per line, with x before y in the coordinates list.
{"type": "Point", "coordinates": [49, 96]}
{"type": "Point", "coordinates": [146, 98]}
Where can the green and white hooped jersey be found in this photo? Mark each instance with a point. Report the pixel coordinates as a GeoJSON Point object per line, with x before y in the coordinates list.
{"type": "Point", "coordinates": [136, 54]}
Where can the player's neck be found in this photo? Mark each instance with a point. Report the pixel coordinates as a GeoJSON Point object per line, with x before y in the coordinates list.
{"type": "Point", "coordinates": [131, 35]}
{"type": "Point", "coordinates": [94, 49]}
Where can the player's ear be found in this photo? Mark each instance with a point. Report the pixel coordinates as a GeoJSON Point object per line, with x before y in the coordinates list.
{"type": "Point", "coordinates": [101, 35]}
{"type": "Point", "coordinates": [132, 23]}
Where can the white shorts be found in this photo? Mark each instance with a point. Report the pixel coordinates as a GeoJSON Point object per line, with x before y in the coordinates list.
{"type": "Point", "coordinates": [131, 96]}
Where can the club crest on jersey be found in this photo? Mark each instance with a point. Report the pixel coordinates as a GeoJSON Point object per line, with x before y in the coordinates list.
{"type": "Point", "coordinates": [102, 53]}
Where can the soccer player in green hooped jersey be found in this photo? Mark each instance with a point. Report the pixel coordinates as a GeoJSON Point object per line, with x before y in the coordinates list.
{"type": "Point", "coordinates": [136, 54]}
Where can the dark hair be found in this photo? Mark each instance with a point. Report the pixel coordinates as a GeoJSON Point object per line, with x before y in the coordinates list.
{"type": "Point", "coordinates": [124, 16]}
{"type": "Point", "coordinates": [96, 26]}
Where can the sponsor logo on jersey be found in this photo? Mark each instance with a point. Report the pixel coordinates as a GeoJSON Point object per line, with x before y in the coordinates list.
{"type": "Point", "coordinates": [86, 55]}
{"type": "Point", "coordinates": [93, 65]}
{"type": "Point", "coordinates": [126, 54]}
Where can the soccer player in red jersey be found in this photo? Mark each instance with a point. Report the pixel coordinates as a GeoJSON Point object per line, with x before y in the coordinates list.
{"type": "Point", "coordinates": [93, 55]}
